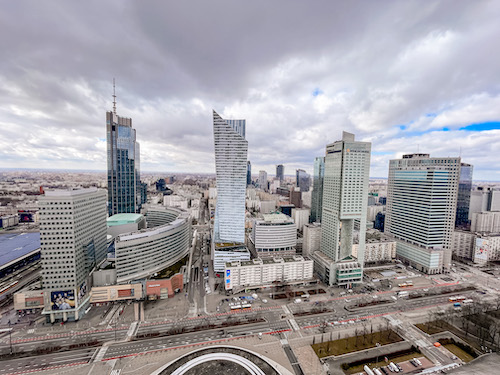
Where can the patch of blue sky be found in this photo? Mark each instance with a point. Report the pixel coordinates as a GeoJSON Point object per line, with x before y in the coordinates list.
{"type": "Point", "coordinates": [382, 153]}
{"type": "Point", "coordinates": [481, 126]}
{"type": "Point", "coordinates": [317, 92]}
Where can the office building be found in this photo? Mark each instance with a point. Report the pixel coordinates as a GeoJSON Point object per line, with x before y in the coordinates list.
{"type": "Point", "coordinates": [378, 248]}
{"type": "Point", "coordinates": [249, 173]}
{"type": "Point", "coordinates": [421, 209]}
{"type": "Point", "coordinates": [303, 180]}
{"type": "Point", "coordinates": [463, 200]}
{"type": "Point", "coordinates": [231, 165]}
{"type": "Point", "coordinates": [486, 222]}
{"type": "Point", "coordinates": [141, 253]}
{"type": "Point", "coordinates": [274, 235]}
{"type": "Point", "coordinates": [73, 242]}
{"type": "Point", "coordinates": [258, 273]}
{"type": "Point", "coordinates": [317, 192]}
{"type": "Point", "coordinates": [484, 199]}
{"type": "Point", "coordinates": [295, 198]}
{"type": "Point", "coordinates": [345, 188]}
{"type": "Point", "coordinates": [300, 217]}
{"type": "Point", "coordinates": [311, 238]}
{"type": "Point", "coordinates": [280, 172]}
{"type": "Point", "coordinates": [263, 180]}
{"type": "Point", "coordinates": [379, 221]}
{"type": "Point", "coordinates": [463, 243]}
{"type": "Point", "coordinates": [124, 185]}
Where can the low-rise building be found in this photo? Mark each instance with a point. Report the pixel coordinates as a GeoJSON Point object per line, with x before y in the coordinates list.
{"type": "Point", "coordinates": [223, 253]}
{"type": "Point", "coordinates": [264, 272]}
{"type": "Point", "coordinates": [378, 248]}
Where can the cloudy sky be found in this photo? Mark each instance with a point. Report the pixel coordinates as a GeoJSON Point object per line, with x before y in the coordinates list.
{"type": "Point", "coordinates": [406, 75]}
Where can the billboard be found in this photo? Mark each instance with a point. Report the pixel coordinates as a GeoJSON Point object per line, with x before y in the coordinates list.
{"type": "Point", "coordinates": [481, 250]}
{"type": "Point", "coordinates": [25, 216]}
{"type": "Point", "coordinates": [62, 300]}
{"type": "Point", "coordinates": [82, 292]}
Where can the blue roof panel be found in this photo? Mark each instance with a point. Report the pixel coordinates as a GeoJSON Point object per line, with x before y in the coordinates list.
{"type": "Point", "coordinates": [16, 245]}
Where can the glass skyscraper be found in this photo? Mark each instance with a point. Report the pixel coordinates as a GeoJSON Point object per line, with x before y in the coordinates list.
{"type": "Point", "coordinates": [124, 184]}
{"type": "Point", "coordinates": [463, 199]}
{"type": "Point", "coordinates": [280, 172]}
{"type": "Point", "coordinates": [231, 165]}
{"type": "Point", "coordinates": [317, 193]}
{"type": "Point", "coordinates": [249, 173]}
{"type": "Point", "coordinates": [303, 180]}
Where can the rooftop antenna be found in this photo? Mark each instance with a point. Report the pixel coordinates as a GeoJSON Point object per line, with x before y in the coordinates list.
{"type": "Point", "coordinates": [114, 97]}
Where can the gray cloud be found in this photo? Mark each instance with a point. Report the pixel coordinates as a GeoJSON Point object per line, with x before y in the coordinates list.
{"type": "Point", "coordinates": [394, 73]}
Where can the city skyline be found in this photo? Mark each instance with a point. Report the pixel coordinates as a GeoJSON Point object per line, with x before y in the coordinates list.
{"type": "Point", "coordinates": [314, 79]}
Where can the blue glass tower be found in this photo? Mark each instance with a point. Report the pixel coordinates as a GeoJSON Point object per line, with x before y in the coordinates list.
{"type": "Point", "coordinates": [124, 184]}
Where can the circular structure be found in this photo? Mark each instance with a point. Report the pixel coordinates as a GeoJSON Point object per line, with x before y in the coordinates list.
{"type": "Point", "coordinates": [222, 360]}
{"type": "Point", "coordinates": [165, 241]}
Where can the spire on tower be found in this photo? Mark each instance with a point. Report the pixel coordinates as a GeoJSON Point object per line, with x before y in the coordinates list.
{"type": "Point", "coordinates": [114, 97]}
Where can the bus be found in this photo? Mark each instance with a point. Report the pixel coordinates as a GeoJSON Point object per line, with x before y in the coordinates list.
{"type": "Point", "coordinates": [457, 299]}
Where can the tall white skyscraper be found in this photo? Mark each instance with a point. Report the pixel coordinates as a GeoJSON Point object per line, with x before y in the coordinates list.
{"type": "Point", "coordinates": [231, 149]}
{"type": "Point", "coordinates": [421, 209]}
{"type": "Point", "coordinates": [73, 239]}
{"type": "Point", "coordinates": [345, 199]}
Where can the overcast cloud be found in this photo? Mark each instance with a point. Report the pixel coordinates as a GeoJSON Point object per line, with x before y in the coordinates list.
{"type": "Point", "coordinates": [405, 75]}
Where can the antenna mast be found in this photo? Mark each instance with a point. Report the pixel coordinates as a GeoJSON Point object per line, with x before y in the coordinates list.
{"type": "Point", "coordinates": [114, 97]}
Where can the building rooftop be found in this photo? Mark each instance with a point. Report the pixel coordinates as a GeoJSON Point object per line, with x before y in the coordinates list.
{"type": "Point", "coordinates": [121, 219]}
{"type": "Point", "coordinates": [276, 218]}
{"type": "Point", "coordinates": [260, 261]}
{"type": "Point", "coordinates": [16, 245]}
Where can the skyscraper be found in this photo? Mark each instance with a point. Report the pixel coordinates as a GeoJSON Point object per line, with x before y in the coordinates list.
{"type": "Point", "coordinates": [231, 149]}
{"type": "Point", "coordinates": [463, 199]}
{"type": "Point", "coordinates": [249, 173]}
{"type": "Point", "coordinates": [263, 180]}
{"type": "Point", "coordinates": [280, 172]}
{"type": "Point", "coordinates": [73, 240]}
{"type": "Point", "coordinates": [421, 209]}
{"type": "Point", "coordinates": [317, 193]}
{"type": "Point", "coordinates": [303, 180]}
{"type": "Point", "coordinates": [124, 183]}
{"type": "Point", "coordinates": [345, 192]}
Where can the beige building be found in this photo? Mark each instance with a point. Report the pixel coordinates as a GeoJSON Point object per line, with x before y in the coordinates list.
{"type": "Point", "coordinates": [488, 221]}
{"type": "Point", "coordinates": [463, 244]}
{"type": "Point", "coordinates": [380, 249]}
{"type": "Point", "coordinates": [311, 239]}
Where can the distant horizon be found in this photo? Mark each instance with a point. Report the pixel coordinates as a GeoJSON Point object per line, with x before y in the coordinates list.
{"type": "Point", "coordinates": [161, 172]}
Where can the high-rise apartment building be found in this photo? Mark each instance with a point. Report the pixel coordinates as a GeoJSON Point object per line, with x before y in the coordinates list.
{"type": "Point", "coordinates": [280, 172]}
{"type": "Point", "coordinates": [345, 191]}
{"type": "Point", "coordinates": [73, 240]}
{"type": "Point", "coordinates": [263, 180]}
{"type": "Point", "coordinates": [463, 199]}
{"type": "Point", "coordinates": [231, 149]}
{"type": "Point", "coordinates": [317, 192]}
{"type": "Point", "coordinates": [303, 180]}
{"type": "Point", "coordinates": [421, 209]}
{"type": "Point", "coordinates": [249, 173]}
{"type": "Point", "coordinates": [124, 185]}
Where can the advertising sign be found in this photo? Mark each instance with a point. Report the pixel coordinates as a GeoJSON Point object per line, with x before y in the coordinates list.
{"type": "Point", "coordinates": [481, 250]}
{"type": "Point", "coordinates": [62, 300]}
{"type": "Point", "coordinates": [82, 292]}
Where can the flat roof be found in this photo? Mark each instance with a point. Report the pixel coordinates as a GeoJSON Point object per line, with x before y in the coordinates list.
{"type": "Point", "coordinates": [121, 219]}
{"type": "Point", "coordinates": [17, 245]}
